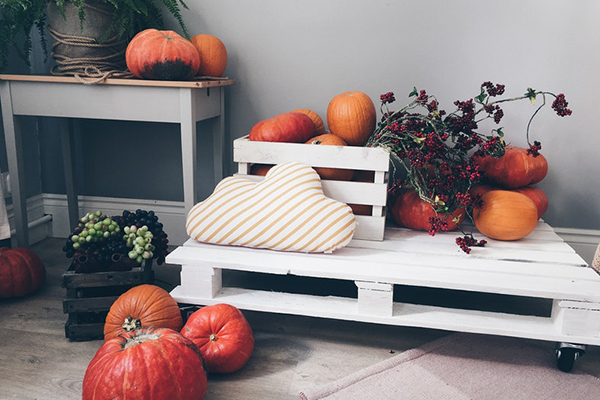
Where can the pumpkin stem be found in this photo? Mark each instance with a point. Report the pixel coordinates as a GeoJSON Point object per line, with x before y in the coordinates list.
{"type": "Point", "coordinates": [212, 337]}
{"type": "Point", "coordinates": [131, 324]}
{"type": "Point", "coordinates": [316, 142]}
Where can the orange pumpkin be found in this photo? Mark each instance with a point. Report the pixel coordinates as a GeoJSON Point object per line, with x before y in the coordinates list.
{"type": "Point", "coordinates": [213, 55]}
{"type": "Point", "coordinates": [316, 119]}
{"type": "Point", "coordinates": [337, 174]}
{"type": "Point", "coordinates": [142, 306]}
{"type": "Point", "coordinates": [411, 212]}
{"type": "Point", "coordinates": [292, 127]}
{"type": "Point", "coordinates": [362, 176]}
{"type": "Point", "coordinates": [505, 215]}
{"type": "Point", "coordinates": [536, 195]}
{"type": "Point", "coordinates": [352, 116]}
{"type": "Point", "coordinates": [514, 169]}
{"type": "Point", "coordinates": [163, 55]}
{"type": "Point", "coordinates": [260, 169]}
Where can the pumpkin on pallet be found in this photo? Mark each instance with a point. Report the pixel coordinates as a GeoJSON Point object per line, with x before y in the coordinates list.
{"type": "Point", "coordinates": [21, 272]}
{"type": "Point", "coordinates": [162, 55]}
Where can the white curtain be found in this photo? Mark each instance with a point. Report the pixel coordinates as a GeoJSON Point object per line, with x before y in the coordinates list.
{"type": "Point", "coordinates": [4, 226]}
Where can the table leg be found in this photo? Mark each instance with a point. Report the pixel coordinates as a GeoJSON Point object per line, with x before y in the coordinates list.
{"type": "Point", "coordinates": [66, 136]}
{"type": "Point", "coordinates": [14, 152]}
{"type": "Point", "coordinates": [189, 159]}
{"type": "Point", "coordinates": [219, 140]}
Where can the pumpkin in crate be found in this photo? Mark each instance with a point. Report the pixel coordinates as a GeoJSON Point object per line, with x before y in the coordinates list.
{"type": "Point", "coordinates": [21, 272]}
{"type": "Point", "coordinates": [147, 363]}
{"type": "Point", "coordinates": [213, 54]}
{"type": "Point", "coordinates": [142, 306]}
{"type": "Point", "coordinates": [162, 55]}
{"type": "Point", "coordinates": [410, 211]}
{"type": "Point", "coordinates": [292, 127]}
{"type": "Point", "coordinates": [505, 215]}
{"type": "Point", "coordinates": [514, 169]}
{"type": "Point", "coordinates": [352, 116]}
{"type": "Point", "coordinates": [316, 119]}
{"type": "Point", "coordinates": [223, 336]}
{"type": "Point", "coordinates": [337, 174]}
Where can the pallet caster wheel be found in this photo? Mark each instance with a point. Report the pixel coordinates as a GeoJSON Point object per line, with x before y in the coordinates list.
{"type": "Point", "coordinates": [566, 354]}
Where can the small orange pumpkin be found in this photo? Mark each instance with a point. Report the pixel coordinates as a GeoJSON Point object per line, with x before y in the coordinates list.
{"type": "Point", "coordinates": [316, 119]}
{"type": "Point", "coordinates": [163, 55]}
{"type": "Point", "coordinates": [337, 174]}
{"type": "Point", "coordinates": [213, 55]}
{"type": "Point", "coordinates": [411, 212]}
{"type": "Point", "coordinates": [142, 306]}
{"type": "Point", "coordinates": [505, 215]}
{"type": "Point", "coordinates": [514, 169]}
{"type": "Point", "coordinates": [291, 127]}
{"type": "Point", "coordinates": [352, 116]}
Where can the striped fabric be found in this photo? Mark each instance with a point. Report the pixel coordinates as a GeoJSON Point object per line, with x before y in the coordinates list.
{"type": "Point", "coordinates": [287, 211]}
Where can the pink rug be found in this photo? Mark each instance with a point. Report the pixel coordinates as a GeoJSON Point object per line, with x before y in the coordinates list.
{"type": "Point", "coordinates": [465, 367]}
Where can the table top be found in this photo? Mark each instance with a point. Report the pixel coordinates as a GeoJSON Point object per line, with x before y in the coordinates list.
{"type": "Point", "coordinates": [199, 84]}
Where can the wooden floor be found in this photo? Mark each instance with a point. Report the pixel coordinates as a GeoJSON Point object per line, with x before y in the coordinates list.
{"type": "Point", "coordinates": [291, 353]}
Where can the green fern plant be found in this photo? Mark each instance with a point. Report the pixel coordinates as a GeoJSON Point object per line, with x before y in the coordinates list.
{"type": "Point", "coordinates": [19, 17]}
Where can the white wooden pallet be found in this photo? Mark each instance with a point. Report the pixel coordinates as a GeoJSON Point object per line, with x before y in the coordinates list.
{"type": "Point", "coordinates": [539, 266]}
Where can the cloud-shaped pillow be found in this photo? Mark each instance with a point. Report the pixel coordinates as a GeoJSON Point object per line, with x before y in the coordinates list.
{"type": "Point", "coordinates": [286, 211]}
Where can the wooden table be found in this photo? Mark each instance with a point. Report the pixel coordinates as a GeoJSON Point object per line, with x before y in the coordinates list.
{"type": "Point", "coordinates": [541, 266]}
{"type": "Point", "coordinates": [183, 103]}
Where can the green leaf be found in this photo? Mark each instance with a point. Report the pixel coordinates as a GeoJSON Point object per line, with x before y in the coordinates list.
{"type": "Point", "coordinates": [482, 96]}
{"type": "Point", "coordinates": [414, 92]}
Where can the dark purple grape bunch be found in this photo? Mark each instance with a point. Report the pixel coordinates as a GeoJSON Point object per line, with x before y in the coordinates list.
{"type": "Point", "coordinates": [140, 218]}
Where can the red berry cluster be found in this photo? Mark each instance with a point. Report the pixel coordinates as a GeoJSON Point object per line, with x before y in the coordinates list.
{"type": "Point", "coordinates": [560, 106]}
{"type": "Point", "coordinates": [466, 242]}
{"type": "Point", "coordinates": [387, 98]}
{"type": "Point", "coordinates": [534, 149]}
{"type": "Point", "coordinates": [437, 225]}
{"type": "Point", "coordinates": [493, 90]}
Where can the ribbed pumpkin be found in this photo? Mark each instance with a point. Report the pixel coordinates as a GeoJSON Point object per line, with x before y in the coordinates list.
{"type": "Point", "coordinates": [223, 336]}
{"type": "Point", "coordinates": [536, 195]}
{"type": "Point", "coordinates": [316, 119]}
{"type": "Point", "coordinates": [506, 215]}
{"type": "Point", "coordinates": [352, 116]}
{"type": "Point", "coordinates": [162, 55]}
{"type": "Point", "coordinates": [21, 272]}
{"type": "Point", "coordinates": [337, 174]}
{"type": "Point", "coordinates": [142, 306]}
{"type": "Point", "coordinates": [411, 212]}
{"type": "Point", "coordinates": [213, 54]}
{"type": "Point", "coordinates": [148, 363]}
{"type": "Point", "coordinates": [514, 169]}
{"type": "Point", "coordinates": [292, 127]}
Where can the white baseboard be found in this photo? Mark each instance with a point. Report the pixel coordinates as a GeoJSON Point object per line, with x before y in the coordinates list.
{"type": "Point", "coordinates": [170, 213]}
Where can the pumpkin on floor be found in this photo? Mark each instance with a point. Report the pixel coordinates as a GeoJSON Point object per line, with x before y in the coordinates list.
{"type": "Point", "coordinates": [21, 272]}
{"type": "Point", "coordinates": [148, 363]}
{"type": "Point", "coordinates": [352, 116]}
{"type": "Point", "coordinates": [410, 211]}
{"type": "Point", "coordinates": [337, 174]}
{"type": "Point", "coordinates": [223, 336]}
{"type": "Point", "coordinates": [514, 169]}
{"type": "Point", "coordinates": [162, 55]}
{"type": "Point", "coordinates": [505, 215]}
{"type": "Point", "coordinates": [213, 54]}
{"type": "Point", "coordinates": [291, 127]}
{"type": "Point", "coordinates": [142, 306]}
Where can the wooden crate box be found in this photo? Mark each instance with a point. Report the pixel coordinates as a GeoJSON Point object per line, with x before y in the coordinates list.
{"type": "Point", "coordinates": [90, 295]}
{"type": "Point", "coordinates": [371, 193]}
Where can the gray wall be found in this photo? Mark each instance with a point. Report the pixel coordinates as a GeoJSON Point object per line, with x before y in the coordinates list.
{"type": "Point", "coordinates": [286, 55]}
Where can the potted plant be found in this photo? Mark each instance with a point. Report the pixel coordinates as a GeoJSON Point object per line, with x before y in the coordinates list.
{"type": "Point", "coordinates": [125, 19]}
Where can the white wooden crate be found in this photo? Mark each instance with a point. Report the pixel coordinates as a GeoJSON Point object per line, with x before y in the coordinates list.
{"type": "Point", "coordinates": [541, 266]}
{"type": "Point", "coordinates": [374, 194]}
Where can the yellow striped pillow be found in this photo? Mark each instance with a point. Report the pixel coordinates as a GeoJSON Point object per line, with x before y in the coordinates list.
{"type": "Point", "coordinates": [286, 211]}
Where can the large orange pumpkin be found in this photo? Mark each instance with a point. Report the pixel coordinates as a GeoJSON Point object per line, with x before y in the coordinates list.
{"type": "Point", "coordinates": [337, 174]}
{"type": "Point", "coordinates": [213, 55]}
{"type": "Point", "coordinates": [316, 119]}
{"type": "Point", "coordinates": [352, 116]}
{"type": "Point", "coordinates": [148, 363]}
{"type": "Point", "coordinates": [411, 212]}
{"type": "Point", "coordinates": [223, 336]}
{"type": "Point", "coordinates": [514, 169]}
{"type": "Point", "coordinates": [536, 195]}
{"type": "Point", "coordinates": [21, 272]}
{"type": "Point", "coordinates": [292, 127]}
{"type": "Point", "coordinates": [162, 55]}
{"type": "Point", "coordinates": [142, 306]}
{"type": "Point", "coordinates": [505, 215]}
